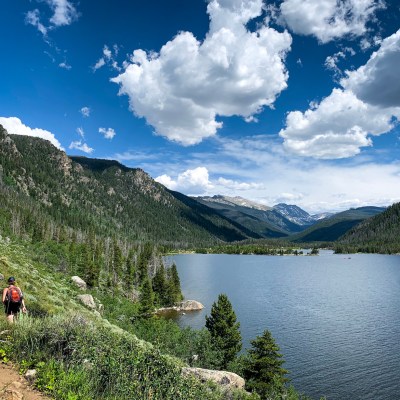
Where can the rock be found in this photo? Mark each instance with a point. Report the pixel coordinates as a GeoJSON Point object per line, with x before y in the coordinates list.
{"type": "Point", "coordinates": [30, 375]}
{"type": "Point", "coordinates": [1, 277]}
{"type": "Point", "coordinates": [189, 305]}
{"type": "Point", "coordinates": [226, 379]}
{"type": "Point", "coordinates": [87, 300]}
{"type": "Point", "coordinates": [80, 283]}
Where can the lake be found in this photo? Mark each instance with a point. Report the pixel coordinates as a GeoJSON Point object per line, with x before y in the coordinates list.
{"type": "Point", "coordinates": [336, 318]}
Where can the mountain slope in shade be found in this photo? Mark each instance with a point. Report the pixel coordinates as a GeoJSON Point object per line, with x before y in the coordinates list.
{"type": "Point", "coordinates": [262, 219]}
{"type": "Point", "coordinates": [333, 227]}
{"type": "Point", "coordinates": [380, 233]}
{"type": "Point", "coordinates": [104, 196]}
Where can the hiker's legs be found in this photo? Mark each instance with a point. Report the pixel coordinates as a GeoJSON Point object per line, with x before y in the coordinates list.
{"type": "Point", "coordinates": [10, 318]}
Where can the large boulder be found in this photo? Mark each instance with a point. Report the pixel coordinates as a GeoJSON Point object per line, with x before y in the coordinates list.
{"type": "Point", "coordinates": [189, 305]}
{"type": "Point", "coordinates": [229, 380]}
{"type": "Point", "coordinates": [80, 283]}
{"type": "Point", "coordinates": [87, 300]}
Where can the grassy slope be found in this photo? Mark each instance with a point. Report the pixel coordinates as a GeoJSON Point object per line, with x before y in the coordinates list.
{"type": "Point", "coordinates": [60, 335]}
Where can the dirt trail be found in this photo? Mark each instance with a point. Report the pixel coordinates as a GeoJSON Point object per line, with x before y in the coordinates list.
{"type": "Point", "coordinates": [16, 387]}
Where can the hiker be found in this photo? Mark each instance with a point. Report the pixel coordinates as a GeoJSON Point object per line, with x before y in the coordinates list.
{"type": "Point", "coordinates": [13, 299]}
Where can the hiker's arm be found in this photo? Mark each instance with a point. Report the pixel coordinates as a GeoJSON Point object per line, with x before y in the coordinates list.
{"type": "Point", "coordinates": [23, 303]}
{"type": "Point", "coordinates": [4, 295]}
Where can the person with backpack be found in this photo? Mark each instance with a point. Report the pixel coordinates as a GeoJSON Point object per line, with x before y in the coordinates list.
{"type": "Point", "coordinates": [13, 299]}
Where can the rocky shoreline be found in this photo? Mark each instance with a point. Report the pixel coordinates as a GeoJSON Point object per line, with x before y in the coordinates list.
{"type": "Point", "coordinates": [183, 306]}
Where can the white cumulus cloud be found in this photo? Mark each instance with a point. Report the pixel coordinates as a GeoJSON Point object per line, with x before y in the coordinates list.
{"type": "Point", "coordinates": [79, 145]}
{"type": "Point", "coordinates": [15, 126]}
{"type": "Point", "coordinates": [182, 90]}
{"type": "Point", "coordinates": [336, 128]}
{"type": "Point", "coordinates": [377, 82]}
{"type": "Point", "coordinates": [342, 123]}
{"type": "Point", "coordinates": [328, 19]}
{"type": "Point", "coordinates": [64, 12]}
{"type": "Point", "coordinates": [108, 133]}
{"type": "Point", "coordinates": [192, 181]}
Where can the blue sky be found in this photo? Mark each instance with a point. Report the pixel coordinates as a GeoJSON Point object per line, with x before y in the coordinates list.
{"type": "Point", "coordinates": [293, 101]}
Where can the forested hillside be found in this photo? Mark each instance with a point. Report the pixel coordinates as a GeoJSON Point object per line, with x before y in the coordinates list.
{"type": "Point", "coordinates": [331, 228]}
{"type": "Point", "coordinates": [63, 194]}
{"type": "Point", "coordinates": [265, 221]}
{"type": "Point", "coordinates": [380, 234]}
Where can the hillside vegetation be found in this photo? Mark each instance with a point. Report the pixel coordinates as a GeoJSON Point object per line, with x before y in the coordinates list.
{"type": "Point", "coordinates": [77, 353]}
{"type": "Point", "coordinates": [331, 228]}
{"type": "Point", "coordinates": [101, 196]}
{"type": "Point", "coordinates": [109, 225]}
{"type": "Point", "coordinates": [379, 234]}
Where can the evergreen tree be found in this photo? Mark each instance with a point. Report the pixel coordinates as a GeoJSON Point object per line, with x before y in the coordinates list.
{"type": "Point", "coordinates": [224, 329]}
{"type": "Point", "coordinates": [117, 262]}
{"type": "Point", "coordinates": [146, 298]}
{"type": "Point", "coordinates": [143, 262]}
{"type": "Point", "coordinates": [129, 270]}
{"type": "Point", "coordinates": [174, 294]}
{"type": "Point", "coordinates": [160, 286]}
{"type": "Point", "coordinates": [263, 370]}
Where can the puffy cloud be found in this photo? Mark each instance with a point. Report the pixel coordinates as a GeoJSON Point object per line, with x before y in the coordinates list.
{"type": "Point", "coordinates": [108, 133]}
{"type": "Point", "coordinates": [268, 175]}
{"type": "Point", "coordinates": [377, 82]}
{"type": "Point", "coordinates": [328, 19]}
{"type": "Point", "coordinates": [230, 184]}
{"type": "Point", "coordinates": [79, 145]}
{"type": "Point", "coordinates": [181, 90]}
{"type": "Point", "coordinates": [192, 181]}
{"type": "Point", "coordinates": [85, 111]}
{"type": "Point", "coordinates": [15, 126]}
{"type": "Point", "coordinates": [64, 12]}
{"type": "Point", "coordinates": [336, 128]}
{"type": "Point", "coordinates": [342, 123]}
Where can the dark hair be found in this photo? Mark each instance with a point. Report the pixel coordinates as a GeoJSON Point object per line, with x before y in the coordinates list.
{"type": "Point", "coordinates": [11, 279]}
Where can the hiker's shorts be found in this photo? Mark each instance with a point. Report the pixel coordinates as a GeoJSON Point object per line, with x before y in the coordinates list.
{"type": "Point", "coordinates": [12, 308]}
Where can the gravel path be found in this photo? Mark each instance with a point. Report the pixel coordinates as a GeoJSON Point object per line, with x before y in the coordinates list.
{"type": "Point", "coordinates": [15, 387]}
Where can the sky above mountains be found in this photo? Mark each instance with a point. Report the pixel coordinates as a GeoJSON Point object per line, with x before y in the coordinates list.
{"type": "Point", "coordinates": [294, 101]}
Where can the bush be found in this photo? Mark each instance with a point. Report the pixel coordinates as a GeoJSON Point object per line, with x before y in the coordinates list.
{"type": "Point", "coordinates": [76, 359]}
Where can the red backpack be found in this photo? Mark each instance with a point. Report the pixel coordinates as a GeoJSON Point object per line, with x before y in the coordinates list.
{"type": "Point", "coordinates": [14, 294]}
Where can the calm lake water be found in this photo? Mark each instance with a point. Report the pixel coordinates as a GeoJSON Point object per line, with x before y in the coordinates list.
{"type": "Point", "coordinates": [336, 318]}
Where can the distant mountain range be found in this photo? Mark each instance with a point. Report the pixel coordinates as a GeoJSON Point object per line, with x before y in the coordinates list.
{"type": "Point", "coordinates": [290, 221]}
{"type": "Point", "coordinates": [40, 184]}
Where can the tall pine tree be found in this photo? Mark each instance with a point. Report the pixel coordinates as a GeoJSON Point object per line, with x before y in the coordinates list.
{"type": "Point", "coordinates": [224, 329]}
{"type": "Point", "coordinates": [263, 370]}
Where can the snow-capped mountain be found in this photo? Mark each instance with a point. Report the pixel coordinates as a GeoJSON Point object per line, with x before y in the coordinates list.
{"type": "Point", "coordinates": [236, 201]}
{"type": "Point", "coordinates": [323, 215]}
{"type": "Point", "coordinates": [295, 214]}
